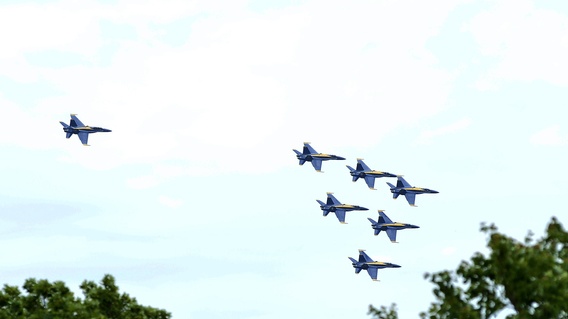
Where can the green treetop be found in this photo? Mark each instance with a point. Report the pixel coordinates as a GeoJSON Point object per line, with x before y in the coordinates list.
{"type": "Point", "coordinates": [45, 300]}
{"type": "Point", "coordinates": [529, 277]}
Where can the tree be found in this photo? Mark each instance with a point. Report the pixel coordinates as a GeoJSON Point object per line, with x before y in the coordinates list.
{"type": "Point", "coordinates": [531, 278]}
{"type": "Point", "coordinates": [45, 300]}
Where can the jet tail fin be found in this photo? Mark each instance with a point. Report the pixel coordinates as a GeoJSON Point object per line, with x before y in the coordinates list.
{"type": "Point", "coordinates": [297, 152]}
{"type": "Point", "coordinates": [353, 260]}
{"type": "Point", "coordinates": [350, 168]}
{"type": "Point", "coordinates": [64, 124]}
{"type": "Point", "coordinates": [372, 221]}
{"type": "Point", "coordinates": [320, 202]}
{"type": "Point", "coordinates": [391, 185]}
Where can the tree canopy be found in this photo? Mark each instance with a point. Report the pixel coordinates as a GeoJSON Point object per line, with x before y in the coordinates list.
{"type": "Point", "coordinates": [530, 278]}
{"type": "Point", "coordinates": [42, 299]}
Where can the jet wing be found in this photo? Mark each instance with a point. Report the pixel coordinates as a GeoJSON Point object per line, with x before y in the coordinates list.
{"type": "Point", "coordinates": [308, 149]}
{"type": "Point", "coordinates": [77, 123]}
{"type": "Point", "coordinates": [410, 197]}
{"type": "Point", "coordinates": [372, 272]}
{"type": "Point", "coordinates": [363, 165]}
{"type": "Point", "coordinates": [386, 219]}
{"type": "Point", "coordinates": [316, 163]}
{"type": "Point", "coordinates": [402, 181]}
{"type": "Point", "coordinates": [364, 257]}
{"type": "Point", "coordinates": [340, 213]}
{"type": "Point", "coordinates": [370, 180]}
{"type": "Point", "coordinates": [392, 234]}
{"type": "Point", "coordinates": [84, 137]}
{"type": "Point", "coordinates": [333, 200]}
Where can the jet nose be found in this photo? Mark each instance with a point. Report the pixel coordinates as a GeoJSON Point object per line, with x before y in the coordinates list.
{"type": "Point", "coordinates": [395, 266]}
{"type": "Point", "coordinates": [363, 208]}
{"type": "Point", "coordinates": [434, 192]}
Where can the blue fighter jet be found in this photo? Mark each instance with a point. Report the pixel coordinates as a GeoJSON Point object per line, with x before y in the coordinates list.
{"type": "Point", "coordinates": [403, 188]}
{"type": "Point", "coordinates": [363, 171]}
{"type": "Point", "coordinates": [335, 206]}
{"type": "Point", "coordinates": [310, 155]}
{"type": "Point", "coordinates": [77, 127]}
{"type": "Point", "coordinates": [365, 262]}
{"type": "Point", "coordinates": [386, 224]}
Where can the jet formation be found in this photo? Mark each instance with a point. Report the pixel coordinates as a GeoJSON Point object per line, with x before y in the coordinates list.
{"type": "Point", "coordinates": [384, 223]}
{"type": "Point", "coordinates": [77, 127]}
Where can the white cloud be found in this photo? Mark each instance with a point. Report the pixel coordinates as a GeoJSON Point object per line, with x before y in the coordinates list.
{"type": "Point", "coordinates": [427, 136]}
{"type": "Point", "coordinates": [448, 251]}
{"type": "Point", "coordinates": [170, 202]}
{"type": "Point", "coordinates": [549, 136]}
{"type": "Point", "coordinates": [531, 43]}
{"type": "Point", "coordinates": [246, 87]}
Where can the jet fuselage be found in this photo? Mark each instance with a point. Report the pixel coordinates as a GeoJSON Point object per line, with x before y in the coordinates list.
{"type": "Point", "coordinates": [415, 190]}
{"type": "Point", "coordinates": [87, 129]}
{"type": "Point", "coordinates": [345, 207]}
{"type": "Point", "coordinates": [374, 264]}
{"type": "Point", "coordinates": [396, 226]}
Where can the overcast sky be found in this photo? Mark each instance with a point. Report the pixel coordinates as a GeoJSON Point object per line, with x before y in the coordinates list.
{"type": "Point", "coordinates": [195, 201]}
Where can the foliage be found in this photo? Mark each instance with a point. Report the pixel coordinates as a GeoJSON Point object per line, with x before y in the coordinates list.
{"type": "Point", "coordinates": [45, 300]}
{"type": "Point", "coordinates": [530, 278]}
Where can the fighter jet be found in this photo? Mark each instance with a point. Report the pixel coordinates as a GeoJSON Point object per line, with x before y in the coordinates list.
{"type": "Point", "coordinates": [387, 225]}
{"type": "Point", "coordinates": [77, 127]}
{"type": "Point", "coordinates": [363, 171]}
{"type": "Point", "coordinates": [365, 262]}
{"type": "Point", "coordinates": [310, 155]}
{"type": "Point", "coordinates": [403, 188]}
{"type": "Point", "coordinates": [334, 206]}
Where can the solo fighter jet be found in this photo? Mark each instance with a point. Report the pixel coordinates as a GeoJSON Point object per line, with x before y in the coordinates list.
{"type": "Point", "coordinates": [386, 224]}
{"type": "Point", "coordinates": [77, 127]}
{"type": "Point", "coordinates": [335, 206]}
{"type": "Point", "coordinates": [365, 262]}
{"type": "Point", "coordinates": [363, 171]}
{"type": "Point", "coordinates": [403, 188]}
{"type": "Point", "coordinates": [310, 155]}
